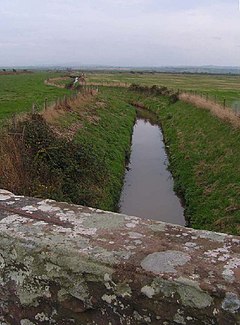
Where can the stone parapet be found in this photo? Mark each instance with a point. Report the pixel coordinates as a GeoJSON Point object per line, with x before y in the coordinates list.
{"type": "Point", "coordinates": [66, 264]}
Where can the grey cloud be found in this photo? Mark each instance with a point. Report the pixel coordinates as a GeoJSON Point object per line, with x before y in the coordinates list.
{"type": "Point", "coordinates": [120, 32]}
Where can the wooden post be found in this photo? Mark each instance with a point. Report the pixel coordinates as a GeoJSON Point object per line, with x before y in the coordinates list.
{"type": "Point", "coordinates": [224, 103]}
{"type": "Point", "coordinates": [33, 108]}
{"type": "Point", "coordinates": [45, 104]}
{"type": "Point", "coordinates": [23, 132]}
{"type": "Point", "coordinates": [14, 122]}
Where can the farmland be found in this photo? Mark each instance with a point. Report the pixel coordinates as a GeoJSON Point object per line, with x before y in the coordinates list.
{"type": "Point", "coordinates": [221, 86]}
{"type": "Point", "coordinates": [19, 91]}
{"type": "Point", "coordinates": [203, 150]}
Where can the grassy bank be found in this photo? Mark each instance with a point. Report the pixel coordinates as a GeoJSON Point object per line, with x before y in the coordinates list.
{"type": "Point", "coordinates": [109, 131]}
{"type": "Point", "coordinates": [74, 153]}
{"type": "Point", "coordinates": [204, 155]}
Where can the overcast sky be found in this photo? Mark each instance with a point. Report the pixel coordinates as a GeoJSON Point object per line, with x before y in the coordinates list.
{"type": "Point", "coordinates": [120, 32]}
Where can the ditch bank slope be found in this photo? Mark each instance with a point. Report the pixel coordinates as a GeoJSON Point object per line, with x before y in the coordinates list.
{"type": "Point", "coordinates": [204, 154]}
{"type": "Point", "coordinates": [74, 151]}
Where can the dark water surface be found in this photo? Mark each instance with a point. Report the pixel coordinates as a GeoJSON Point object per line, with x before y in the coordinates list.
{"type": "Point", "coordinates": [148, 186]}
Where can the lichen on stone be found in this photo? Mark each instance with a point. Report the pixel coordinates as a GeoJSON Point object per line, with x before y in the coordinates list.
{"type": "Point", "coordinates": [231, 303]}
{"type": "Point", "coordinates": [164, 262]}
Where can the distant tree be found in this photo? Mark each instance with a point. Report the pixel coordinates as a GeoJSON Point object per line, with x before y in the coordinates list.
{"type": "Point", "coordinates": [14, 70]}
{"type": "Point", "coordinates": [4, 70]}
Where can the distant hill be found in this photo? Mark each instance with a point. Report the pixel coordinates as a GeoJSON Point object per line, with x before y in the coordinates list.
{"type": "Point", "coordinates": [209, 69]}
{"type": "Point", "coordinates": [201, 69]}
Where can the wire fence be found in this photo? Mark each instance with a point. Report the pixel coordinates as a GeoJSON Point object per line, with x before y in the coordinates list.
{"type": "Point", "coordinates": [226, 103]}
{"type": "Point", "coordinates": [63, 100]}
{"type": "Point", "coordinates": [40, 107]}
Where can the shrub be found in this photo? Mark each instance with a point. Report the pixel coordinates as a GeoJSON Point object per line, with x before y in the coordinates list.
{"type": "Point", "coordinates": [156, 91]}
{"type": "Point", "coordinates": [43, 165]}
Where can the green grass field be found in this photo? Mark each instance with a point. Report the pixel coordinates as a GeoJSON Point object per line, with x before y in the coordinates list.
{"type": "Point", "coordinates": [221, 86]}
{"type": "Point", "coordinates": [19, 92]}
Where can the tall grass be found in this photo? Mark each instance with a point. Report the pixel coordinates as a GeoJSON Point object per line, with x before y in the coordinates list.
{"type": "Point", "coordinates": [224, 113]}
{"type": "Point", "coordinates": [14, 173]}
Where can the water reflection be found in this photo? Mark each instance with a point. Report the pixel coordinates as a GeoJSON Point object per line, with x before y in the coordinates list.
{"type": "Point", "coordinates": [148, 187]}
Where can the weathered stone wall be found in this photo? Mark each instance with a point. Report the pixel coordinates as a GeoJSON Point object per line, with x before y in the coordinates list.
{"type": "Point", "coordinates": [66, 264]}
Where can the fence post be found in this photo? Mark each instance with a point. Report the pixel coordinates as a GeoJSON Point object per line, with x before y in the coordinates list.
{"type": "Point", "coordinates": [45, 104]}
{"type": "Point", "coordinates": [224, 103]}
{"type": "Point", "coordinates": [23, 132]}
{"type": "Point", "coordinates": [33, 108]}
{"type": "Point", "coordinates": [14, 122]}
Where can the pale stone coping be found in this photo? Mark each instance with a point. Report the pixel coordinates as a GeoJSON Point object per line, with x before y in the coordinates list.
{"type": "Point", "coordinates": [141, 265]}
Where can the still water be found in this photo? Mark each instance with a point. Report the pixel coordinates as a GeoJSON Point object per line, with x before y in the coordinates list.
{"type": "Point", "coordinates": [148, 185]}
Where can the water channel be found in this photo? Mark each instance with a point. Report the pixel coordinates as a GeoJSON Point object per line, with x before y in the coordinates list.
{"type": "Point", "coordinates": [148, 185]}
